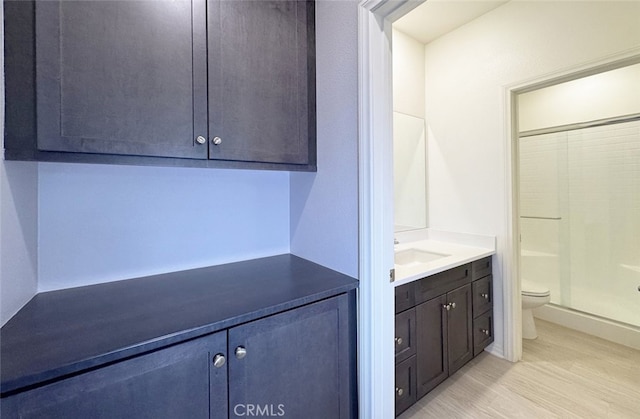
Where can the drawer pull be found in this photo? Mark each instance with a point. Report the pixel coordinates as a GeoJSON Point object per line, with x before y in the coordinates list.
{"type": "Point", "coordinates": [485, 331]}
{"type": "Point", "coordinates": [218, 360]}
{"type": "Point", "coordinates": [399, 391]}
{"type": "Point", "coordinates": [485, 296]}
{"type": "Point", "coordinates": [398, 341]}
{"type": "Point", "coordinates": [241, 352]}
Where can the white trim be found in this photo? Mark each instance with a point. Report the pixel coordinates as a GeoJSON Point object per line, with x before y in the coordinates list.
{"type": "Point", "coordinates": [622, 334]}
{"type": "Point", "coordinates": [376, 373]}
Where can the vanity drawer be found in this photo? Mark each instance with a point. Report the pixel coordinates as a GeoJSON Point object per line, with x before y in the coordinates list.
{"type": "Point", "coordinates": [405, 297]}
{"type": "Point", "coordinates": [405, 335]}
{"type": "Point", "coordinates": [482, 332]}
{"type": "Point", "coordinates": [482, 295]}
{"type": "Point", "coordinates": [405, 384]}
{"type": "Point", "coordinates": [441, 283]}
{"type": "Point", "coordinates": [481, 268]}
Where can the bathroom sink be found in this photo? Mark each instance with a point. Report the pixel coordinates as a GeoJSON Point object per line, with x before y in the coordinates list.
{"type": "Point", "coordinates": [416, 256]}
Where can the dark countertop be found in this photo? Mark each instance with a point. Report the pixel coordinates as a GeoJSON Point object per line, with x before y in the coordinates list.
{"type": "Point", "coordinates": [63, 332]}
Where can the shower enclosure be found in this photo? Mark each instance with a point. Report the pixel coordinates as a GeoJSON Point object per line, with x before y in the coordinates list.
{"type": "Point", "coordinates": [580, 216]}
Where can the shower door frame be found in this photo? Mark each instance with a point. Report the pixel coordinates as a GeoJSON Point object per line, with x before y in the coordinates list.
{"type": "Point", "coordinates": [513, 326]}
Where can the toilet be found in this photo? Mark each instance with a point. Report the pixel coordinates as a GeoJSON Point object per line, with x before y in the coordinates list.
{"type": "Point", "coordinates": [533, 295]}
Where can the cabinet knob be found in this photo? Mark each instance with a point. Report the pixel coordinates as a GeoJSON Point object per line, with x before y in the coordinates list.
{"type": "Point", "coordinates": [200, 139]}
{"type": "Point", "coordinates": [241, 352]}
{"type": "Point", "coordinates": [216, 140]}
{"type": "Point", "coordinates": [447, 306]}
{"type": "Point", "coordinates": [485, 331]}
{"type": "Point", "coordinates": [219, 360]}
{"type": "Point", "coordinates": [453, 305]}
{"type": "Point", "coordinates": [485, 296]}
{"type": "Point", "coordinates": [398, 341]}
{"type": "Point", "coordinates": [399, 391]}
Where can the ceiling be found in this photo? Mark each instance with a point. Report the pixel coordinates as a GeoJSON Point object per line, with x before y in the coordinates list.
{"type": "Point", "coordinates": [434, 18]}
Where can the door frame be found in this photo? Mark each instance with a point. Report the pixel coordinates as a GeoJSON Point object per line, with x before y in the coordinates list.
{"type": "Point", "coordinates": [376, 373]}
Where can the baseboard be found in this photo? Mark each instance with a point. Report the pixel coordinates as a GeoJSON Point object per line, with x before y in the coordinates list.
{"type": "Point", "coordinates": [605, 329]}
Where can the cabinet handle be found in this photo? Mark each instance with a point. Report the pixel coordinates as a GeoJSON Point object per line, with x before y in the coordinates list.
{"type": "Point", "coordinates": [216, 140]}
{"type": "Point", "coordinates": [453, 305]}
{"type": "Point", "coordinates": [399, 391]}
{"type": "Point", "coordinates": [485, 296]}
{"type": "Point", "coordinates": [447, 306]}
{"type": "Point", "coordinates": [241, 352]}
{"type": "Point", "coordinates": [219, 360]}
{"type": "Point", "coordinates": [398, 341]}
{"type": "Point", "coordinates": [485, 331]}
{"type": "Point", "coordinates": [200, 139]}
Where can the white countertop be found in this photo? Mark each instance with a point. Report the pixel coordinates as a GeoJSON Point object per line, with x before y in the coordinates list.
{"type": "Point", "coordinates": [455, 245]}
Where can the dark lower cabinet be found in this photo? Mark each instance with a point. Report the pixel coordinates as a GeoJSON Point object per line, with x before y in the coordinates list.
{"type": "Point", "coordinates": [294, 364]}
{"type": "Point", "coordinates": [452, 326]}
{"type": "Point", "coordinates": [432, 366]}
{"type": "Point", "coordinates": [176, 382]}
{"type": "Point", "coordinates": [405, 384]}
{"type": "Point", "coordinates": [459, 328]}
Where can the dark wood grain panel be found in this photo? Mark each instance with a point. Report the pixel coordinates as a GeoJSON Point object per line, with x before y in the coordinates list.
{"type": "Point", "coordinates": [295, 362]}
{"type": "Point", "coordinates": [405, 336]}
{"type": "Point", "coordinates": [459, 328]}
{"type": "Point", "coordinates": [431, 346]}
{"type": "Point", "coordinates": [175, 382]}
{"type": "Point", "coordinates": [118, 77]}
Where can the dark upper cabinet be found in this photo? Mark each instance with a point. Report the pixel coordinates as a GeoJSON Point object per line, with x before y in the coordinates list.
{"type": "Point", "coordinates": [177, 382]}
{"type": "Point", "coordinates": [261, 95]}
{"type": "Point", "coordinates": [188, 83]}
{"type": "Point", "coordinates": [121, 77]}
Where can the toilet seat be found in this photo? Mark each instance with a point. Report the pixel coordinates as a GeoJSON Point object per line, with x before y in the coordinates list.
{"type": "Point", "coordinates": [534, 290]}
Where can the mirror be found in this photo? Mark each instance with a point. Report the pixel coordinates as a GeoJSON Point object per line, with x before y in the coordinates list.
{"type": "Point", "coordinates": [409, 172]}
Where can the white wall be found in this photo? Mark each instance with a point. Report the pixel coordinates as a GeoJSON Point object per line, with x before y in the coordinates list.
{"type": "Point", "coordinates": [102, 223]}
{"type": "Point", "coordinates": [409, 134]}
{"type": "Point", "coordinates": [408, 75]}
{"type": "Point", "coordinates": [18, 222]}
{"type": "Point", "coordinates": [324, 205]}
{"type": "Point", "coordinates": [468, 71]}
{"type": "Point", "coordinates": [604, 95]}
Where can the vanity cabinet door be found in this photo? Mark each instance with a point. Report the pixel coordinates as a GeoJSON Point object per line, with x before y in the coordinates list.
{"type": "Point", "coordinates": [482, 332]}
{"type": "Point", "coordinates": [180, 381]}
{"type": "Point", "coordinates": [431, 345]}
{"type": "Point", "coordinates": [405, 339]}
{"type": "Point", "coordinates": [405, 384]}
{"type": "Point", "coordinates": [482, 295]}
{"type": "Point", "coordinates": [294, 364]}
{"type": "Point", "coordinates": [121, 77]}
{"type": "Point", "coordinates": [459, 328]}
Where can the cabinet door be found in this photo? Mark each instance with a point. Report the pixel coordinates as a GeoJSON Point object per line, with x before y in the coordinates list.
{"type": "Point", "coordinates": [405, 384]}
{"type": "Point", "coordinates": [296, 363]}
{"type": "Point", "coordinates": [177, 382]}
{"type": "Point", "coordinates": [405, 335]}
{"type": "Point", "coordinates": [459, 328]}
{"type": "Point", "coordinates": [261, 80]}
{"type": "Point", "coordinates": [431, 345]}
{"type": "Point", "coordinates": [122, 77]}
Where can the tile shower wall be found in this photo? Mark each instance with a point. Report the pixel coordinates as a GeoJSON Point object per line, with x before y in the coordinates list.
{"type": "Point", "coordinates": [583, 187]}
